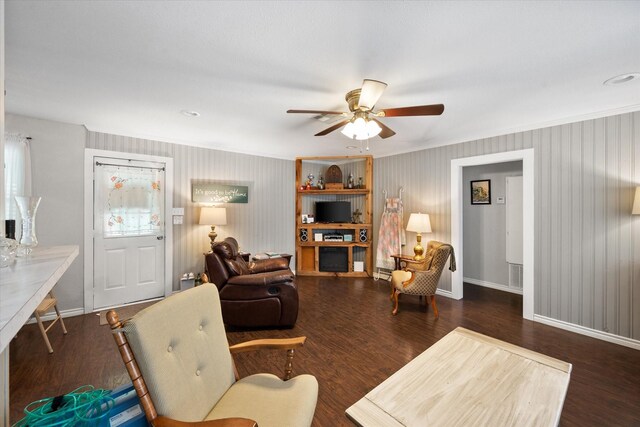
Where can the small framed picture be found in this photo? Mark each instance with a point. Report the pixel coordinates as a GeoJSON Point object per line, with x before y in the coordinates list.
{"type": "Point", "coordinates": [305, 218]}
{"type": "Point", "coordinates": [481, 192]}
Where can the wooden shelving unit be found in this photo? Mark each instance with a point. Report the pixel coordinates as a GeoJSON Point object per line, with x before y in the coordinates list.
{"type": "Point", "coordinates": [308, 250]}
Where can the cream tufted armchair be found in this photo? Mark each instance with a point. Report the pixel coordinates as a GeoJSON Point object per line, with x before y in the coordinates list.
{"type": "Point", "coordinates": [178, 357]}
{"type": "Point", "coordinates": [421, 277]}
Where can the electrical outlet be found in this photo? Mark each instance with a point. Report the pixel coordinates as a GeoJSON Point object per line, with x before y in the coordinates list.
{"type": "Point", "coordinates": [178, 219]}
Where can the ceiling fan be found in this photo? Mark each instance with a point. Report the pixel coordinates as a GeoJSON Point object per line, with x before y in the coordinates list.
{"type": "Point", "coordinates": [361, 122]}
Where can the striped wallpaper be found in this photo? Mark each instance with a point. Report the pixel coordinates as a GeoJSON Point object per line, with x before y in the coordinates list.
{"type": "Point", "coordinates": [587, 268]}
{"type": "Point", "coordinates": [266, 223]}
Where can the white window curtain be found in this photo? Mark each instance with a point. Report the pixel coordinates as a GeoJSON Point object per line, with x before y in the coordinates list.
{"type": "Point", "coordinates": [17, 177]}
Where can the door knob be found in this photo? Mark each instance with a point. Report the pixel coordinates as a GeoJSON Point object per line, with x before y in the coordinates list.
{"type": "Point", "coordinates": [159, 237]}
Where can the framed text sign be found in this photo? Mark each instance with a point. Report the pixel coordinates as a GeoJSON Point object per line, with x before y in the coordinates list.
{"type": "Point", "coordinates": [219, 193]}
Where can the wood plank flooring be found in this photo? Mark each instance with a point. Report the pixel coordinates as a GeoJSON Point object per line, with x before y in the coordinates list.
{"type": "Point", "coordinates": [354, 343]}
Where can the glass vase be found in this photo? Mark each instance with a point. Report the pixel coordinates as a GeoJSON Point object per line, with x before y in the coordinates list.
{"type": "Point", "coordinates": [28, 207]}
{"type": "Point", "coordinates": [7, 251]}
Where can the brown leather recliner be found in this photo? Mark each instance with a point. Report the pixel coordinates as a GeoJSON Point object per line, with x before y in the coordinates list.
{"type": "Point", "coordinates": [252, 294]}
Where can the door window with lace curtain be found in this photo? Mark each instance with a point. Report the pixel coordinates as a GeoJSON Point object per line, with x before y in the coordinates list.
{"type": "Point", "coordinates": [130, 201]}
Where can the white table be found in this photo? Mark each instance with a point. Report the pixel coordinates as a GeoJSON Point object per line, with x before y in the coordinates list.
{"type": "Point", "coordinates": [465, 379]}
{"type": "Point", "coordinates": [22, 287]}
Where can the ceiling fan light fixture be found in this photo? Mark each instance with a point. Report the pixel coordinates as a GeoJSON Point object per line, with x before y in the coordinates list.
{"type": "Point", "coordinates": [373, 129]}
{"type": "Point", "coordinates": [348, 130]}
{"type": "Point", "coordinates": [361, 129]}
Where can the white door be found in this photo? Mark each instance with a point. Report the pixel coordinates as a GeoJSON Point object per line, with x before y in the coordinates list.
{"type": "Point", "coordinates": [128, 231]}
{"type": "Point", "coordinates": [514, 220]}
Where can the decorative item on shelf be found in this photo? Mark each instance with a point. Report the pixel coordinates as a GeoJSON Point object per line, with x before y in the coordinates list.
{"type": "Point", "coordinates": [356, 216]}
{"type": "Point", "coordinates": [305, 218]}
{"type": "Point", "coordinates": [334, 178]}
{"type": "Point", "coordinates": [311, 219]}
{"type": "Point", "coordinates": [419, 223]}
{"type": "Point", "coordinates": [350, 182]}
{"type": "Point", "coordinates": [320, 183]}
{"type": "Point", "coordinates": [636, 203]}
{"type": "Point", "coordinates": [28, 206]}
{"type": "Point", "coordinates": [309, 182]}
{"type": "Point", "coordinates": [213, 216]}
{"type": "Point", "coordinates": [360, 184]}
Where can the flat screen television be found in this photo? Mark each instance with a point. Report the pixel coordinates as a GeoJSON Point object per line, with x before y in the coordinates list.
{"type": "Point", "coordinates": [333, 212]}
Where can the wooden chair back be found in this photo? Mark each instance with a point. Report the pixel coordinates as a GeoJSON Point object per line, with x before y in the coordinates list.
{"type": "Point", "coordinates": [132, 366]}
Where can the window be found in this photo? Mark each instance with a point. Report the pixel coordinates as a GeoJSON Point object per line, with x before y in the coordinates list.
{"type": "Point", "coordinates": [17, 177]}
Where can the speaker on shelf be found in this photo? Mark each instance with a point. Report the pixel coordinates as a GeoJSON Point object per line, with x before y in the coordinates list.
{"type": "Point", "coordinates": [304, 236]}
{"type": "Point", "coordinates": [363, 235]}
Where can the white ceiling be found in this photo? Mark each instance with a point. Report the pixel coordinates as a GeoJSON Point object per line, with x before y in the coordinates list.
{"type": "Point", "coordinates": [129, 67]}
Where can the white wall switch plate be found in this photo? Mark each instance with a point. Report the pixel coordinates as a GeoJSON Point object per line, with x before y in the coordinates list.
{"type": "Point", "coordinates": [178, 219]}
{"type": "Point", "coordinates": [500, 200]}
{"type": "Point", "coordinates": [178, 211]}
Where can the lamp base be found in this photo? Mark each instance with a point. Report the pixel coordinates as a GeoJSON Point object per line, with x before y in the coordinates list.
{"type": "Point", "coordinates": [418, 250]}
{"type": "Point", "coordinates": [213, 235]}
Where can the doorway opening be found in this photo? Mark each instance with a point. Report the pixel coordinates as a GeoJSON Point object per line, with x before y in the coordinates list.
{"type": "Point", "coordinates": [458, 184]}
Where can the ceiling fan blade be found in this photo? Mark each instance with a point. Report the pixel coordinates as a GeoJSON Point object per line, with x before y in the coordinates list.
{"type": "Point", "coordinates": [315, 112]}
{"type": "Point", "coordinates": [386, 131]}
{"type": "Point", "coordinates": [332, 128]}
{"type": "Point", "coordinates": [420, 110]}
{"type": "Point", "coordinates": [370, 93]}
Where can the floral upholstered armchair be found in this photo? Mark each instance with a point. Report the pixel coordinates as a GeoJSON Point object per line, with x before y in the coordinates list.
{"type": "Point", "coordinates": [421, 277]}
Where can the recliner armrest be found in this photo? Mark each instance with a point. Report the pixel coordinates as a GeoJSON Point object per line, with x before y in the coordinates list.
{"type": "Point", "coordinates": [266, 265]}
{"type": "Point", "coordinates": [268, 278]}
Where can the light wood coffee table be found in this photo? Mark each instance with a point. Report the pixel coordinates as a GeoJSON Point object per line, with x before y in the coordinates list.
{"type": "Point", "coordinates": [467, 379]}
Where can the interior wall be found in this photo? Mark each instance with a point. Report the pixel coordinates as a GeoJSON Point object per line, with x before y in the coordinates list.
{"type": "Point", "coordinates": [485, 226]}
{"type": "Point", "coordinates": [587, 243]}
{"type": "Point", "coordinates": [2, 78]}
{"type": "Point", "coordinates": [266, 223]}
{"type": "Point", "coordinates": [57, 155]}
{"type": "Point", "coordinates": [4, 354]}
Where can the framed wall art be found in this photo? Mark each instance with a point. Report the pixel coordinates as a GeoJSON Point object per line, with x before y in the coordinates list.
{"type": "Point", "coordinates": [481, 192]}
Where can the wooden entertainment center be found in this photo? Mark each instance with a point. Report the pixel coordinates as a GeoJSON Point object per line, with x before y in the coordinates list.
{"type": "Point", "coordinates": [312, 254]}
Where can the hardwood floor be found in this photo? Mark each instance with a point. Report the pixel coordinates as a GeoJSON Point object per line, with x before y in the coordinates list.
{"type": "Point", "coordinates": [354, 343]}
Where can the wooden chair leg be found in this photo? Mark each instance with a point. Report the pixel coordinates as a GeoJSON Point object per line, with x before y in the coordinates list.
{"type": "Point", "coordinates": [64, 328]}
{"type": "Point", "coordinates": [435, 307]}
{"type": "Point", "coordinates": [396, 295]}
{"type": "Point", "coordinates": [43, 331]}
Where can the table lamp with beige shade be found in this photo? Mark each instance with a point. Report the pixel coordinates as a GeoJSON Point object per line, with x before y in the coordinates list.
{"type": "Point", "coordinates": [419, 223]}
{"type": "Point", "coordinates": [636, 203]}
{"type": "Point", "coordinates": [211, 215]}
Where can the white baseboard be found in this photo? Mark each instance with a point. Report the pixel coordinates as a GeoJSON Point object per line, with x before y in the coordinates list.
{"type": "Point", "coordinates": [492, 285]}
{"type": "Point", "coordinates": [593, 333]}
{"type": "Point", "coordinates": [64, 313]}
{"type": "Point", "coordinates": [447, 294]}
